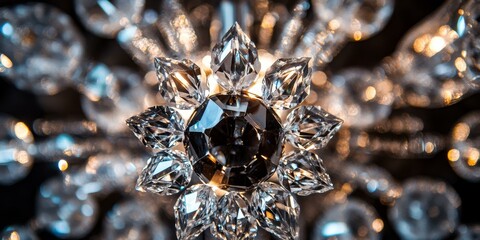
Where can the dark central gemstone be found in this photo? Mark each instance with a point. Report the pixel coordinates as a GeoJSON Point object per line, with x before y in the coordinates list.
{"type": "Point", "coordinates": [234, 141]}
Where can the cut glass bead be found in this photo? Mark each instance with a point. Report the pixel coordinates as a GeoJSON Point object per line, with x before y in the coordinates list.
{"type": "Point", "coordinates": [158, 127]}
{"type": "Point", "coordinates": [235, 60]}
{"type": "Point", "coordinates": [287, 83]}
{"type": "Point", "coordinates": [166, 173]}
{"type": "Point", "coordinates": [276, 210]}
{"type": "Point", "coordinates": [303, 173]}
{"type": "Point", "coordinates": [194, 210]}
{"type": "Point", "coordinates": [233, 220]}
{"type": "Point", "coordinates": [182, 82]}
{"type": "Point", "coordinates": [233, 141]}
{"type": "Point", "coordinates": [310, 127]}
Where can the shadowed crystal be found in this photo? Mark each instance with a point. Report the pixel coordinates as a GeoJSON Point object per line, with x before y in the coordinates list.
{"type": "Point", "coordinates": [303, 173]}
{"type": "Point", "coordinates": [234, 142]}
{"type": "Point", "coordinates": [310, 127]}
{"type": "Point", "coordinates": [233, 220]}
{"type": "Point", "coordinates": [235, 60]}
{"type": "Point", "coordinates": [287, 82]}
{"type": "Point", "coordinates": [181, 82]}
{"type": "Point", "coordinates": [166, 173]}
{"type": "Point", "coordinates": [158, 127]}
{"type": "Point", "coordinates": [276, 210]}
{"type": "Point", "coordinates": [194, 210]}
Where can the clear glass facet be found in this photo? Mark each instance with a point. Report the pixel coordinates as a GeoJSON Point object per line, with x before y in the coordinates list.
{"type": "Point", "coordinates": [303, 173]}
{"type": "Point", "coordinates": [158, 127]}
{"type": "Point", "coordinates": [166, 173]}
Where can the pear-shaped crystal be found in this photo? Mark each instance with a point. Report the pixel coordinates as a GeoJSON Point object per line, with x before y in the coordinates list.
{"type": "Point", "coordinates": [310, 127]}
{"type": "Point", "coordinates": [194, 210]}
{"type": "Point", "coordinates": [287, 82]}
{"type": "Point", "coordinates": [276, 210]}
{"type": "Point", "coordinates": [235, 60]}
{"type": "Point", "coordinates": [181, 82]}
{"type": "Point", "coordinates": [233, 219]}
{"type": "Point", "coordinates": [158, 127]}
{"type": "Point", "coordinates": [302, 173]}
{"type": "Point", "coordinates": [166, 173]}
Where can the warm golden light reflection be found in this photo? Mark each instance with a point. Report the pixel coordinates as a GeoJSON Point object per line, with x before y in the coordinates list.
{"type": "Point", "coordinates": [429, 147]}
{"type": "Point", "coordinates": [5, 61]}
{"type": "Point", "coordinates": [453, 155]}
{"type": "Point", "coordinates": [334, 24]}
{"type": "Point", "coordinates": [319, 78]}
{"type": "Point", "coordinates": [461, 132]}
{"type": "Point", "coordinates": [436, 45]}
{"type": "Point", "coordinates": [357, 36]}
{"type": "Point", "coordinates": [347, 188]}
{"type": "Point", "coordinates": [377, 225]}
{"type": "Point", "coordinates": [22, 157]}
{"type": "Point", "coordinates": [62, 165]}
{"type": "Point", "coordinates": [14, 236]}
{"type": "Point", "coordinates": [369, 93]}
{"type": "Point", "coordinates": [472, 156]}
{"type": "Point", "coordinates": [460, 64]}
{"type": "Point", "coordinates": [22, 132]}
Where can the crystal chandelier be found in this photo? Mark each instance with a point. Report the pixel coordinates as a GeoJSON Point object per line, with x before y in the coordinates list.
{"type": "Point", "coordinates": [234, 135]}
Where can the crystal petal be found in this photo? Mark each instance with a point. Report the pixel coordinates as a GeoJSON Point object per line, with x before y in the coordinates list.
{"type": "Point", "coordinates": [287, 82]}
{"type": "Point", "coordinates": [302, 173]}
{"type": "Point", "coordinates": [233, 219]}
{"type": "Point", "coordinates": [235, 60]}
{"type": "Point", "coordinates": [166, 173]}
{"type": "Point", "coordinates": [158, 127]}
{"type": "Point", "coordinates": [310, 127]}
{"type": "Point", "coordinates": [194, 210]}
{"type": "Point", "coordinates": [276, 210]}
{"type": "Point", "coordinates": [182, 82]}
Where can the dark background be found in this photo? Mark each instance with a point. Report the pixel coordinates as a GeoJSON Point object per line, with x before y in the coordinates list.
{"type": "Point", "coordinates": [17, 202]}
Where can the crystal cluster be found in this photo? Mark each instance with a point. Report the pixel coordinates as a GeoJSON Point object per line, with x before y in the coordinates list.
{"type": "Point", "coordinates": [234, 142]}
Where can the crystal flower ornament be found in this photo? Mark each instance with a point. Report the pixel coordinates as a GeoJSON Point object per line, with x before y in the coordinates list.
{"type": "Point", "coordinates": [233, 142]}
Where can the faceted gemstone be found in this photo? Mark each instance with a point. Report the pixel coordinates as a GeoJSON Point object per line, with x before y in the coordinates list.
{"type": "Point", "coordinates": [234, 141]}
{"type": "Point", "coordinates": [65, 210]}
{"type": "Point", "coordinates": [194, 210]}
{"type": "Point", "coordinates": [302, 173]}
{"type": "Point", "coordinates": [276, 210]}
{"type": "Point", "coordinates": [111, 95]}
{"type": "Point", "coordinates": [310, 127]}
{"type": "Point", "coordinates": [233, 219]}
{"type": "Point", "coordinates": [427, 209]}
{"type": "Point", "coordinates": [235, 60]}
{"type": "Point", "coordinates": [17, 233]}
{"type": "Point", "coordinates": [166, 173]}
{"type": "Point", "coordinates": [465, 150]}
{"type": "Point", "coordinates": [158, 127]}
{"type": "Point", "coordinates": [353, 219]}
{"type": "Point", "coordinates": [358, 96]}
{"type": "Point", "coordinates": [107, 17]}
{"type": "Point", "coordinates": [287, 82]}
{"type": "Point", "coordinates": [182, 83]}
{"type": "Point", "coordinates": [40, 47]}
{"type": "Point", "coordinates": [131, 220]}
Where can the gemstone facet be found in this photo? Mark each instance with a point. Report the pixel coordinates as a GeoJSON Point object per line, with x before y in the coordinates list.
{"type": "Point", "coordinates": [194, 210]}
{"type": "Point", "coordinates": [233, 219]}
{"type": "Point", "coordinates": [276, 210]}
{"type": "Point", "coordinates": [167, 173]}
{"type": "Point", "coordinates": [235, 60]}
{"type": "Point", "coordinates": [234, 141]}
{"type": "Point", "coordinates": [303, 173]}
{"type": "Point", "coordinates": [287, 82]}
{"type": "Point", "coordinates": [181, 82]}
{"type": "Point", "coordinates": [158, 127]}
{"type": "Point", "coordinates": [310, 127]}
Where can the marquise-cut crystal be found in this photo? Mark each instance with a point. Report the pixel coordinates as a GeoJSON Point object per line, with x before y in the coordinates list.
{"type": "Point", "coordinates": [234, 141]}
{"type": "Point", "coordinates": [158, 127]}
{"type": "Point", "coordinates": [287, 82]}
{"type": "Point", "coordinates": [276, 210]}
{"type": "Point", "coordinates": [166, 173]}
{"type": "Point", "coordinates": [235, 60]}
{"type": "Point", "coordinates": [194, 210]}
{"type": "Point", "coordinates": [302, 173]}
{"type": "Point", "coordinates": [233, 220]}
{"type": "Point", "coordinates": [310, 127]}
{"type": "Point", "coordinates": [181, 82]}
